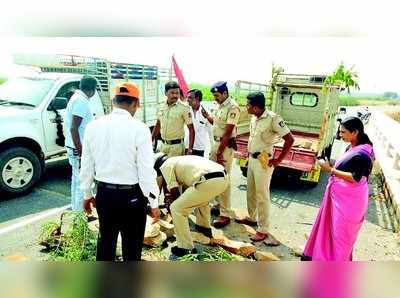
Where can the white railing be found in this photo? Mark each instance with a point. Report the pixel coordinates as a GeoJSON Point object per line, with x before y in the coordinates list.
{"type": "Point", "coordinates": [384, 133]}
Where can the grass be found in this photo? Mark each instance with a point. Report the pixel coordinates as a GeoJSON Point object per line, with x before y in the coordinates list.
{"type": "Point", "coordinates": [367, 101]}
{"type": "Point", "coordinates": [345, 100]}
{"type": "Point", "coordinates": [394, 115]}
{"type": "Point", "coordinates": [211, 255]}
{"type": "Point", "coordinates": [77, 244]}
{"type": "Point", "coordinates": [2, 80]}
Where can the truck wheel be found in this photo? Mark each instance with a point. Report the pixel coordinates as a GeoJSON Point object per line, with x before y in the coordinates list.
{"type": "Point", "coordinates": [20, 169]}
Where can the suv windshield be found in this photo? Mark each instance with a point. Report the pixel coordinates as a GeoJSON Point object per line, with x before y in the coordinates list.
{"type": "Point", "coordinates": [24, 91]}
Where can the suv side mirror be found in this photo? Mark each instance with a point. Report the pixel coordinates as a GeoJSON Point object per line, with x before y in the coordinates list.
{"type": "Point", "coordinates": [58, 103]}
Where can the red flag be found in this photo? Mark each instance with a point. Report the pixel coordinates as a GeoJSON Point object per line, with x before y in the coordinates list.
{"type": "Point", "coordinates": [179, 75]}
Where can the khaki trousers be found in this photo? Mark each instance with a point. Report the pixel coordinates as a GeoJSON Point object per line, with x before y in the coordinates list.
{"type": "Point", "coordinates": [258, 193]}
{"type": "Point", "coordinates": [196, 196]}
{"type": "Point", "coordinates": [173, 150]}
{"type": "Point", "coordinates": [225, 198]}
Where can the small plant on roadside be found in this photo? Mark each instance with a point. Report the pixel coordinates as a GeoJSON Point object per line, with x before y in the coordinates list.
{"type": "Point", "coordinates": [156, 254]}
{"type": "Point", "coordinates": [50, 234]}
{"type": "Point", "coordinates": [77, 244]}
{"type": "Point", "coordinates": [211, 255]}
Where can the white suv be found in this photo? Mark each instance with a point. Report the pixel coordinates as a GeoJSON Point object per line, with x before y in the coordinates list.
{"type": "Point", "coordinates": [31, 132]}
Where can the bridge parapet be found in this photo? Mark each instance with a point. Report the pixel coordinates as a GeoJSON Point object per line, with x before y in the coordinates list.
{"type": "Point", "coordinates": [385, 134]}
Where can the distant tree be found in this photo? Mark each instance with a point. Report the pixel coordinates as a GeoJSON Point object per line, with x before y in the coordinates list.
{"type": "Point", "coordinates": [389, 94]}
{"type": "Point", "coordinates": [205, 89]}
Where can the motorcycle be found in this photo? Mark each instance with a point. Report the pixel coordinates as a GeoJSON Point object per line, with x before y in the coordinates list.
{"type": "Point", "coordinates": [364, 117]}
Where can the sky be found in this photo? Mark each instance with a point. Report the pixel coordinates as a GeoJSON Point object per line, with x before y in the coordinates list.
{"type": "Point", "coordinates": [216, 40]}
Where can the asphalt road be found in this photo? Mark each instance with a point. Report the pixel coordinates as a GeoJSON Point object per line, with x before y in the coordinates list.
{"type": "Point", "coordinates": [294, 208]}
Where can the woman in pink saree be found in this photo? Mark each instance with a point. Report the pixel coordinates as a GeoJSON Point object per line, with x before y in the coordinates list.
{"type": "Point", "coordinates": [345, 201]}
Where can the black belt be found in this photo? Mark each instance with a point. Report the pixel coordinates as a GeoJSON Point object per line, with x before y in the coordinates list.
{"type": "Point", "coordinates": [172, 142]}
{"type": "Point", "coordinates": [214, 175]}
{"type": "Point", "coordinates": [117, 186]}
{"type": "Point", "coordinates": [217, 139]}
{"type": "Point", "coordinates": [256, 154]}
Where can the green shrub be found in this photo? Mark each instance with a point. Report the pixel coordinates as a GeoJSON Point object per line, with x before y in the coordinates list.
{"type": "Point", "coordinates": [211, 255]}
{"type": "Point", "coordinates": [77, 244]}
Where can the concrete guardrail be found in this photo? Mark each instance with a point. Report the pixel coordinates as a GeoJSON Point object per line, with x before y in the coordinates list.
{"type": "Point", "coordinates": [384, 133]}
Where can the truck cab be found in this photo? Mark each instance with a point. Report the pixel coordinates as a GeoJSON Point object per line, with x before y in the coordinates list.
{"type": "Point", "coordinates": [31, 131]}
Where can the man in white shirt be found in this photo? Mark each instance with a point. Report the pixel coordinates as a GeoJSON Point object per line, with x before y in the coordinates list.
{"type": "Point", "coordinates": [77, 117]}
{"type": "Point", "coordinates": [202, 127]}
{"type": "Point", "coordinates": [118, 154]}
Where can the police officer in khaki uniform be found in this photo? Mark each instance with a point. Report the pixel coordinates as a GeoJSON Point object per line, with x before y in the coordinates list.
{"type": "Point", "coordinates": [266, 129]}
{"type": "Point", "coordinates": [224, 122]}
{"type": "Point", "coordinates": [202, 179]}
{"type": "Point", "coordinates": [172, 118]}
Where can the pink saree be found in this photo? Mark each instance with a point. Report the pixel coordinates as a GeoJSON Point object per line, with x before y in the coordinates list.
{"type": "Point", "coordinates": [341, 215]}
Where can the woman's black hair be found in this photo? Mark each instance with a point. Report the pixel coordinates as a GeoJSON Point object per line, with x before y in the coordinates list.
{"type": "Point", "coordinates": [352, 124]}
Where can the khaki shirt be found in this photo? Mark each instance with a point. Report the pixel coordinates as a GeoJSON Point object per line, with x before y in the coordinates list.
{"type": "Point", "coordinates": [173, 119]}
{"type": "Point", "coordinates": [187, 170]}
{"type": "Point", "coordinates": [266, 131]}
{"type": "Point", "coordinates": [227, 113]}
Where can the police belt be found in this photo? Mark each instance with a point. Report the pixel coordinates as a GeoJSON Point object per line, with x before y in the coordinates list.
{"type": "Point", "coordinates": [256, 154]}
{"type": "Point", "coordinates": [118, 186]}
{"type": "Point", "coordinates": [172, 142]}
{"type": "Point", "coordinates": [218, 139]}
{"type": "Point", "coordinates": [214, 175]}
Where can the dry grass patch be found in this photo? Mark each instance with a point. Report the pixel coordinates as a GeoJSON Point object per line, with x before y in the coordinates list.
{"type": "Point", "coordinates": [394, 115]}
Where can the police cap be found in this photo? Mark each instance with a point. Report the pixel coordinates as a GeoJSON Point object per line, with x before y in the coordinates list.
{"type": "Point", "coordinates": [219, 87]}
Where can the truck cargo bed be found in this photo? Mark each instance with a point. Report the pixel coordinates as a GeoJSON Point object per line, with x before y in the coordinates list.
{"type": "Point", "coordinates": [302, 155]}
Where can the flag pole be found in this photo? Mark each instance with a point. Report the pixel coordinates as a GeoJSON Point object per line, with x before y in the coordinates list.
{"type": "Point", "coordinates": [171, 68]}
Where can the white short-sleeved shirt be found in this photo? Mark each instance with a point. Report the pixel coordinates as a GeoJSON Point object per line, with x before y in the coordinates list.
{"type": "Point", "coordinates": [79, 106]}
{"type": "Point", "coordinates": [202, 131]}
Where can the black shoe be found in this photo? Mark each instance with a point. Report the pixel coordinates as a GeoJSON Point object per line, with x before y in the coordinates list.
{"type": "Point", "coordinates": [180, 252]}
{"type": "Point", "coordinates": [91, 218]}
{"type": "Point", "coordinates": [215, 211]}
{"type": "Point", "coordinates": [205, 231]}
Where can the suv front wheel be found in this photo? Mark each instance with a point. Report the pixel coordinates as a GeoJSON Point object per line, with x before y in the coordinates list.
{"type": "Point", "coordinates": [20, 169]}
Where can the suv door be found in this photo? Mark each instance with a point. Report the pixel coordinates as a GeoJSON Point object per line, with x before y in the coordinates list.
{"type": "Point", "coordinates": [50, 116]}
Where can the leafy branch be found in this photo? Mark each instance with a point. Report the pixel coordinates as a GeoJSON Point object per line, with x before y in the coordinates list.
{"type": "Point", "coordinates": [276, 71]}
{"type": "Point", "coordinates": [342, 77]}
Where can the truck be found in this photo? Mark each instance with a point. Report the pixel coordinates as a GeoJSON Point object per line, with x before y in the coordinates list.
{"type": "Point", "coordinates": [32, 108]}
{"type": "Point", "coordinates": [310, 113]}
